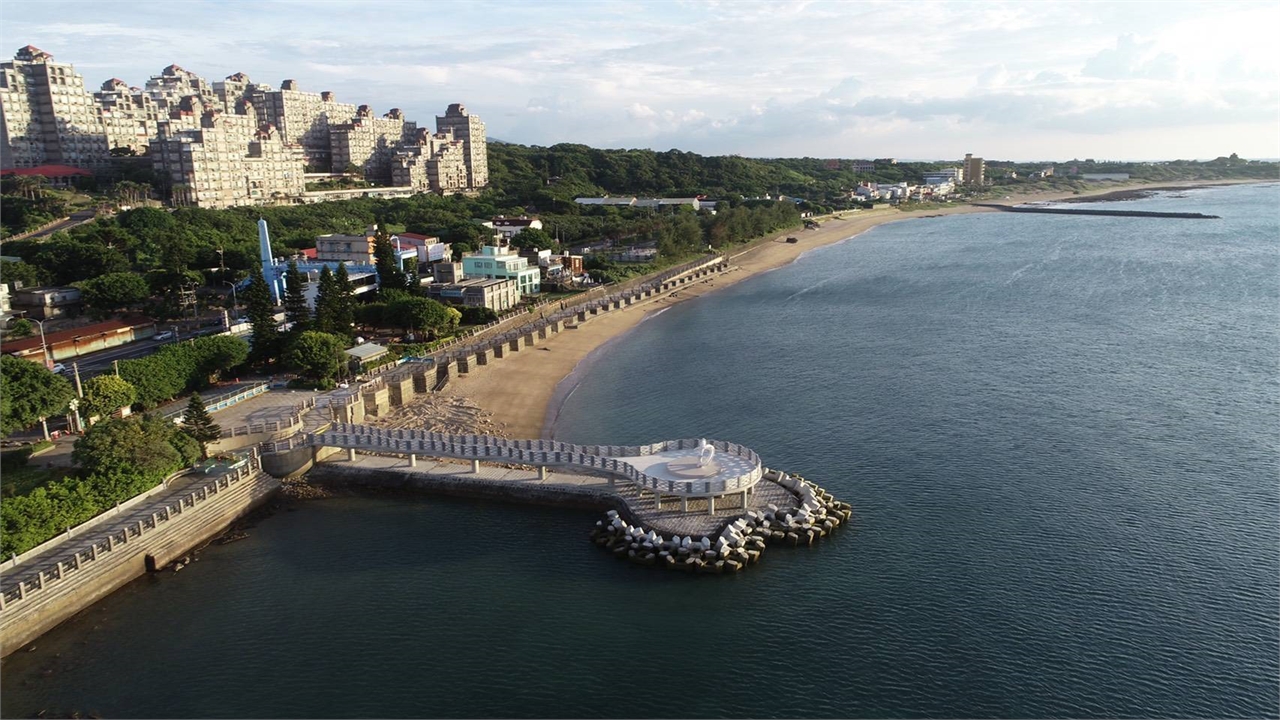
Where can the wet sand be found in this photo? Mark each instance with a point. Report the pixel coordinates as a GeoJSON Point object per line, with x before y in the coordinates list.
{"type": "Point", "coordinates": [524, 391]}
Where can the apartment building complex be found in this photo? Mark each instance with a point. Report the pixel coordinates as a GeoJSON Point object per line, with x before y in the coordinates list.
{"type": "Point", "coordinates": [231, 142]}
{"type": "Point", "coordinates": [227, 160]}
{"type": "Point", "coordinates": [46, 116]}
{"type": "Point", "coordinates": [368, 143]}
{"type": "Point", "coordinates": [431, 163]}
{"type": "Point", "coordinates": [470, 130]}
{"type": "Point", "coordinates": [304, 118]}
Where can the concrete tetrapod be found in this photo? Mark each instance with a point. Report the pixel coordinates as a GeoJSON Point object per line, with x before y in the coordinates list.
{"type": "Point", "coordinates": [739, 544]}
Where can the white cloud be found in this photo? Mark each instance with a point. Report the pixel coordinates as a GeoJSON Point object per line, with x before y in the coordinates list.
{"type": "Point", "coordinates": [765, 78]}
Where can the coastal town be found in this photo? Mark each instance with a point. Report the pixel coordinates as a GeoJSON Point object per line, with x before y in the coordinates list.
{"type": "Point", "coordinates": [222, 298]}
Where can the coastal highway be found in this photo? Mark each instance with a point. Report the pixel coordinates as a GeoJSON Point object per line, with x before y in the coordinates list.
{"type": "Point", "coordinates": [100, 363]}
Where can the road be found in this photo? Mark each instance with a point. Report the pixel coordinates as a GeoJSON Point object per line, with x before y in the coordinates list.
{"type": "Point", "coordinates": [100, 363]}
{"type": "Point", "coordinates": [77, 218]}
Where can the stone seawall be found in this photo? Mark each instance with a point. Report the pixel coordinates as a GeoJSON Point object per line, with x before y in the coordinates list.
{"type": "Point", "coordinates": [22, 622]}
{"type": "Point", "coordinates": [339, 475]}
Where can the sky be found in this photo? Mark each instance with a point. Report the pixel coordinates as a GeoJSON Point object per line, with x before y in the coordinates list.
{"type": "Point", "coordinates": [916, 80]}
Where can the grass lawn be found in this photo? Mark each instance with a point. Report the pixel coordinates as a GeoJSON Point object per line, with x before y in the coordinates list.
{"type": "Point", "coordinates": [23, 480]}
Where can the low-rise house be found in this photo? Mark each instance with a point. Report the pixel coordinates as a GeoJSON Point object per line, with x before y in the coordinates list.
{"type": "Point", "coordinates": [44, 303]}
{"type": "Point", "coordinates": [499, 295]}
{"type": "Point", "coordinates": [606, 201]}
{"type": "Point", "coordinates": [499, 262]}
{"type": "Point", "coordinates": [68, 344]}
{"type": "Point", "coordinates": [366, 353]}
{"type": "Point", "coordinates": [510, 227]}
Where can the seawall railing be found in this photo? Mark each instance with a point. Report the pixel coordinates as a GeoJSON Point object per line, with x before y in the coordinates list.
{"type": "Point", "coordinates": [222, 401]}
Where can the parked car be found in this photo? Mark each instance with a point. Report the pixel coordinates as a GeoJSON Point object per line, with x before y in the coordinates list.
{"type": "Point", "coordinates": [59, 368]}
{"type": "Point", "coordinates": [166, 335]}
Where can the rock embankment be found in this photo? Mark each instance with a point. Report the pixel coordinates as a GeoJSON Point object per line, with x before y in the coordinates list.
{"type": "Point", "coordinates": [740, 543]}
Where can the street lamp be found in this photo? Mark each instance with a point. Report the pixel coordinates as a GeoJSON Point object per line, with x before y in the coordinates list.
{"type": "Point", "coordinates": [44, 348]}
{"type": "Point", "coordinates": [233, 295]}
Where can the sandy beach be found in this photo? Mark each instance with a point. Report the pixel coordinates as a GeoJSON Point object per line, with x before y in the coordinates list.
{"type": "Point", "coordinates": [523, 392]}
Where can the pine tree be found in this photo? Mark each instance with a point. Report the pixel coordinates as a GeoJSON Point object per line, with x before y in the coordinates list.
{"type": "Point", "coordinates": [198, 424]}
{"type": "Point", "coordinates": [257, 299]}
{"type": "Point", "coordinates": [344, 315]}
{"type": "Point", "coordinates": [327, 302]}
{"type": "Point", "coordinates": [390, 276]}
{"type": "Point", "coordinates": [295, 301]}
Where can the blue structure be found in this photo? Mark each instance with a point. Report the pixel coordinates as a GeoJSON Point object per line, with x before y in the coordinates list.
{"type": "Point", "coordinates": [268, 263]}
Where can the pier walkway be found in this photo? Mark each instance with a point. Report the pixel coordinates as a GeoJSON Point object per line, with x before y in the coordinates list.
{"type": "Point", "coordinates": [668, 468]}
{"type": "Point", "coordinates": [523, 483]}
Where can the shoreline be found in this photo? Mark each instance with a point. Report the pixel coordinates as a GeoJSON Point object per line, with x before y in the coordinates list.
{"type": "Point", "coordinates": [528, 401]}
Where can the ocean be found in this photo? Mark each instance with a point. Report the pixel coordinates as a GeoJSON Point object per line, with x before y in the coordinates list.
{"type": "Point", "coordinates": [1059, 435]}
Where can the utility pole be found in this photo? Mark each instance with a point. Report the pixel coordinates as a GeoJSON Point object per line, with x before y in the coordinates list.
{"type": "Point", "coordinates": [75, 370]}
{"type": "Point", "coordinates": [115, 365]}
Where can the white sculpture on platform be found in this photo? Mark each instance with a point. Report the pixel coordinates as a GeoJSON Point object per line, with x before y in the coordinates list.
{"type": "Point", "coordinates": [706, 453]}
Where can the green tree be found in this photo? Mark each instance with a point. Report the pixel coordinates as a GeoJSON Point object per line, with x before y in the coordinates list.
{"type": "Point", "coordinates": [344, 309]}
{"type": "Point", "coordinates": [105, 394]}
{"type": "Point", "coordinates": [257, 300]}
{"type": "Point", "coordinates": [533, 238]}
{"type": "Point", "coordinates": [199, 425]}
{"type": "Point", "coordinates": [134, 445]}
{"type": "Point", "coordinates": [316, 355]}
{"type": "Point", "coordinates": [21, 272]}
{"type": "Point", "coordinates": [390, 276]}
{"type": "Point", "coordinates": [326, 302]}
{"type": "Point", "coordinates": [295, 299]}
{"type": "Point", "coordinates": [110, 293]}
{"type": "Point", "coordinates": [371, 315]}
{"type": "Point", "coordinates": [418, 313]}
{"type": "Point", "coordinates": [218, 354]}
{"type": "Point", "coordinates": [29, 393]}
{"type": "Point", "coordinates": [21, 328]}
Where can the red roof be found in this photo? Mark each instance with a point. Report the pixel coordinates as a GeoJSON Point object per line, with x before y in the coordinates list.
{"type": "Point", "coordinates": [63, 336]}
{"type": "Point", "coordinates": [49, 171]}
{"type": "Point", "coordinates": [309, 253]}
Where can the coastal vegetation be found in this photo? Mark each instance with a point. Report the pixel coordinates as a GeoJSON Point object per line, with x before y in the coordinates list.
{"type": "Point", "coordinates": [117, 459]}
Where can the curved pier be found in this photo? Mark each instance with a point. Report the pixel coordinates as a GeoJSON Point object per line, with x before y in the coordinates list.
{"type": "Point", "coordinates": [655, 467]}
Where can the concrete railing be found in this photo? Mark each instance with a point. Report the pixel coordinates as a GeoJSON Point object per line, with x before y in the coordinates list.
{"type": "Point", "coordinates": [601, 458]}
{"type": "Point", "coordinates": [43, 578]}
{"type": "Point", "coordinates": [292, 422]}
{"type": "Point", "coordinates": [602, 301]}
{"type": "Point", "coordinates": [223, 401]}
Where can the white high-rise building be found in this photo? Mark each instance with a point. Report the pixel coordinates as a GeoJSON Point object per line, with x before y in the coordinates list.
{"type": "Point", "coordinates": [46, 115]}
{"type": "Point", "coordinates": [470, 130]}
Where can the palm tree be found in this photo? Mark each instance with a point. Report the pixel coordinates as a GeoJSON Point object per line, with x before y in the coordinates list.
{"type": "Point", "coordinates": [26, 185]}
{"type": "Point", "coordinates": [38, 183]}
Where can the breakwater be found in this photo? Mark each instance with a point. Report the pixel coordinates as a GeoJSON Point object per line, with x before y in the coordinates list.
{"type": "Point", "coordinates": [1093, 211]}
{"type": "Point", "coordinates": [741, 541]}
{"type": "Point", "coordinates": [784, 509]}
